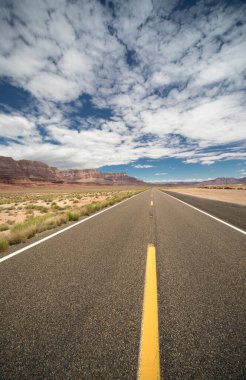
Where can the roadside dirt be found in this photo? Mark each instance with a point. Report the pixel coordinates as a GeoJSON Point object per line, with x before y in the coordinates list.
{"type": "Point", "coordinates": [225, 195]}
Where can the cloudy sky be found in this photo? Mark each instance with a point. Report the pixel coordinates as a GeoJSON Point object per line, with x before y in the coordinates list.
{"type": "Point", "coordinates": [152, 87]}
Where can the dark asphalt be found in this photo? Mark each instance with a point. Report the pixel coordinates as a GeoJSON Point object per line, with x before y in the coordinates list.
{"type": "Point", "coordinates": [229, 212]}
{"type": "Point", "coordinates": [72, 306]}
{"type": "Point", "coordinates": [201, 276]}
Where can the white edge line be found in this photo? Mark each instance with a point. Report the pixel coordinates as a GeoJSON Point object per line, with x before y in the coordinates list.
{"type": "Point", "coordinates": [63, 230]}
{"type": "Point", "coordinates": [206, 213]}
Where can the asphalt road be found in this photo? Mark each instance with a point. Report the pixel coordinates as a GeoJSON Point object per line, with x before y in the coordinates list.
{"type": "Point", "coordinates": [72, 306]}
{"type": "Point", "coordinates": [230, 212]}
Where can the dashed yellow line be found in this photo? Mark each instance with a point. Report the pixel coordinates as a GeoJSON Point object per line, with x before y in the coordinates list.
{"type": "Point", "coordinates": [149, 361]}
{"type": "Point", "coordinates": [151, 203]}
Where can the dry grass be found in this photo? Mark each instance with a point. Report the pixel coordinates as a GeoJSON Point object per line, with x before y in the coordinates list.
{"type": "Point", "coordinates": [4, 227]}
{"type": "Point", "coordinates": [46, 211]}
{"type": "Point", "coordinates": [4, 244]}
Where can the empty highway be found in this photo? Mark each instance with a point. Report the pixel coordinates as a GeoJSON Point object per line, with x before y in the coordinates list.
{"type": "Point", "coordinates": [150, 275]}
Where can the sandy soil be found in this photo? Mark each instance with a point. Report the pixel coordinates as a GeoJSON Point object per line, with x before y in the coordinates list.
{"type": "Point", "coordinates": [229, 195]}
{"type": "Point", "coordinates": [16, 211]}
{"type": "Point", "coordinates": [21, 205]}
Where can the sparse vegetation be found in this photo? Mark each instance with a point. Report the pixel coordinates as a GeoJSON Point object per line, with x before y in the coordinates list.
{"type": "Point", "coordinates": [33, 213]}
{"type": "Point", "coordinates": [4, 244]}
{"type": "Point", "coordinates": [4, 227]}
{"type": "Point", "coordinates": [73, 215]}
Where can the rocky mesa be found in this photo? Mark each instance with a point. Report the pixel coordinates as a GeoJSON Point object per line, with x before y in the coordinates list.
{"type": "Point", "coordinates": [28, 172]}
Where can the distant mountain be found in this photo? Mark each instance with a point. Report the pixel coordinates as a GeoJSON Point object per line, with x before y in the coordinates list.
{"type": "Point", "coordinates": [26, 172]}
{"type": "Point", "coordinates": [222, 181]}
{"type": "Point", "coordinates": [216, 181]}
{"type": "Point", "coordinates": [177, 183]}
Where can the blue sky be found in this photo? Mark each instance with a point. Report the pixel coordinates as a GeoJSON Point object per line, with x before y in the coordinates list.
{"type": "Point", "coordinates": [155, 88]}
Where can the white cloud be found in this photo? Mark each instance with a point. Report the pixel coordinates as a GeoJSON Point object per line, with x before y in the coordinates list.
{"type": "Point", "coordinates": [139, 166]}
{"type": "Point", "coordinates": [74, 62]}
{"type": "Point", "coordinates": [210, 158]}
{"type": "Point", "coordinates": [53, 87]}
{"type": "Point", "coordinates": [17, 127]}
{"type": "Point", "coordinates": [173, 79]}
{"type": "Point", "coordinates": [242, 172]}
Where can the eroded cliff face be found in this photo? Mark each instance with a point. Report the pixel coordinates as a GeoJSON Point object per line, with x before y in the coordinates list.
{"type": "Point", "coordinates": [81, 175]}
{"type": "Point", "coordinates": [27, 171]}
{"type": "Point", "coordinates": [39, 170]}
{"type": "Point", "coordinates": [9, 169]}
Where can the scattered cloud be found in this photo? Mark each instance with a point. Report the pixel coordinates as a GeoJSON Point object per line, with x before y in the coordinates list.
{"type": "Point", "coordinates": [242, 172]}
{"type": "Point", "coordinates": [143, 166]}
{"type": "Point", "coordinates": [160, 173]}
{"type": "Point", "coordinates": [173, 78]}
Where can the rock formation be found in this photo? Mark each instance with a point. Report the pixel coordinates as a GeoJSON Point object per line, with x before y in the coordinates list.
{"type": "Point", "coordinates": [27, 171]}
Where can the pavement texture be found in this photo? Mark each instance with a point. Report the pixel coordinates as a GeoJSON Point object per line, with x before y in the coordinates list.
{"type": "Point", "coordinates": [72, 306]}
{"type": "Point", "coordinates": [229, 212]}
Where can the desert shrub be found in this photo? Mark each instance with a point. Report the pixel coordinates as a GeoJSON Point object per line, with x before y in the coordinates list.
{"type": "Point", "coordinates": [29, 222]}
{"type": "Point", "coordinates": [20, 232]}
{"type": "Point", "coordinates": [4, 227]}
{"type": "Point", "coordinates": [91, 208]}
{"type": "Point", "coordinates": [88, 209]}
{"type": "Point", "coordinates": [61, 219]}
{"type": "Point", "coordinates": [83, 211]}
{"type": "Point", "coordinates": [30, 207]}
{"type": "Point", "coordinates": [42, 209]}
{"type": "Point", "coordinates": [104, 204]}
{"type": "Point", "coordinates": [29, 232]}
{"type": "Point", "coordinates": [17, 237]}
{"type": "Point", "coordinates": [73, 215]}
{"type": "Point", "coordinates": [57, 207]}
{"type": "Point", "coordinates": [4, 244]}
{"type": "Point", "coordinates": [45, 225]}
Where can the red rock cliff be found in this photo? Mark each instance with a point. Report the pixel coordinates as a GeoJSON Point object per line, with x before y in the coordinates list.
{"type": "Point", "coordinates": [25, 171]}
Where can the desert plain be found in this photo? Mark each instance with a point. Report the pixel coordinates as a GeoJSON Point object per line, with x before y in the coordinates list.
{"type": "Point", "coordinates": [24, 212]}
{"type": "Point", "coordinates": [225, 193]}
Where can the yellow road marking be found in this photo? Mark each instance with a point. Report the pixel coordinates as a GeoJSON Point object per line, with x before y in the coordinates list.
{"type": "Point", "coordinates": [149, 361]}
{"type": "Point", "coordinates": [151, 203]}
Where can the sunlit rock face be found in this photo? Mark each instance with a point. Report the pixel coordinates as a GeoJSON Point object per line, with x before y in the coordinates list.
{"type": "Point", "coordinates": [27, 171]}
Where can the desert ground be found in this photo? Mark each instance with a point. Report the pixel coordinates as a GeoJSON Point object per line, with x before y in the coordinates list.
{"type": "Point", "coordinates": [226, 193]}
{"type": "Point", "coordinates": [25, 212]}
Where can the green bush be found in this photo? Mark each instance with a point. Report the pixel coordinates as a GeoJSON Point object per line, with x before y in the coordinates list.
{"type": "Point", "coordinates": [4, 244]}
{"type": "Point", "coordinates": [42, 209]}
{"type": "Point", "coordinates": [30, 222]}
{"type": "Point", "coordinates": [73, 215]}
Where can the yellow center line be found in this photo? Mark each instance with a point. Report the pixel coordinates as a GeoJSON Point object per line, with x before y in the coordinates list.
{"type": "Point", "coordinates": [149, 361]}
{"type": "Point", "coordinates": [151, 203]}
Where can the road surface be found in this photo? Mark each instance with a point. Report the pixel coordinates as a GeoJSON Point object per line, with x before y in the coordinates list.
{"type": "Point", "coordinates": [72, 306]}
{"type": "Point", "coordinates": [230, 212]}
